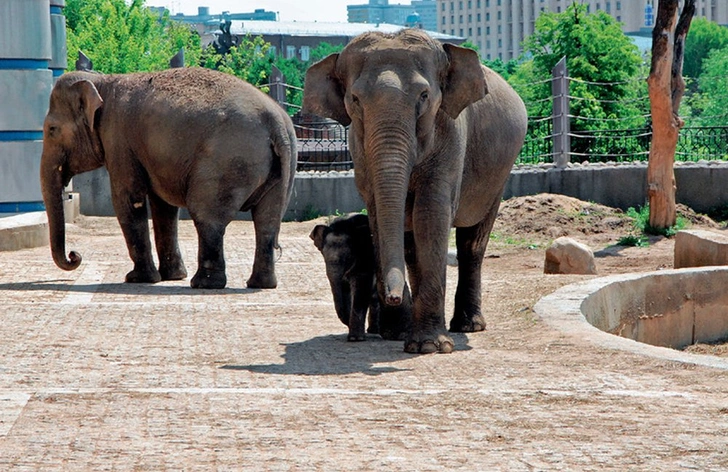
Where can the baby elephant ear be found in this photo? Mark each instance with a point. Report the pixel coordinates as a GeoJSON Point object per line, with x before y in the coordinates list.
{"type": "Point", "coordinates": [318, 234]}
{"type": "Point", "coordinates": [89, 100]}
{"type": "Point", "coordinates": [464, 82]}
{"type": "Point", "coordinates": [323, 92]}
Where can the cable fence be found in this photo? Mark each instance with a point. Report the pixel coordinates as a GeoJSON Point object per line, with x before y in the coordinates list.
{"type": "Point", "coordinates": [560, 137]}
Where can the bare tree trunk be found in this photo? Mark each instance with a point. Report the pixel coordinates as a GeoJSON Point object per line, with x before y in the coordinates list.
{"type": "Point", "coordinates": [666, 88]}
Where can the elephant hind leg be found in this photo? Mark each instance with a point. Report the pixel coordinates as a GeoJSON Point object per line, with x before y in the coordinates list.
{"type": "Point", "coordinates": [210, 256]}
{"type": "Point", "coordinates": [165, 218]}
{"type": "Point", "coordinates": [267, 214]}
{"type": "Point", "coordinates": [471, 244]}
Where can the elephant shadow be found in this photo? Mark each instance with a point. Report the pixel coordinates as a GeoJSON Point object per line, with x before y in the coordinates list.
{"type": "Point", "coordinates": [332, 354]}
{"type": "Point", "coordinates": [163, 289]}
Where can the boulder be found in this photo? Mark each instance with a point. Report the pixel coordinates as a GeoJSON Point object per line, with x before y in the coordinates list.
{"type": "Point", "coordinates": [568, 256]}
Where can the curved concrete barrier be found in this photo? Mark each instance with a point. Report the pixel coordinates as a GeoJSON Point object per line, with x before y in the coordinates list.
{"type": "Point", "coordinates": [671, 308]}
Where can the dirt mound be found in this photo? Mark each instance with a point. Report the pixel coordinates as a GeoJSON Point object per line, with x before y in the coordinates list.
{"type": "Point", "coordinates": [544, 217]}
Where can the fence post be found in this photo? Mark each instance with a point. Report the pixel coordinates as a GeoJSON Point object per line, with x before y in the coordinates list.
{"type": "Point", "coordinates": [277, 87]}
{"type": "Point", "coordinates": [560, 115]}
{"type": "Point", "coordinates": [178, 60]}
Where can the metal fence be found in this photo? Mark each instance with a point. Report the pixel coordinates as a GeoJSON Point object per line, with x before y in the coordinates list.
{"type": "Point", "coordinates": [323, 145]}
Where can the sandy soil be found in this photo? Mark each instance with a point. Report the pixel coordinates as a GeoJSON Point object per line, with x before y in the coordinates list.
{"type": "Point", "coordinates": [100, 375]}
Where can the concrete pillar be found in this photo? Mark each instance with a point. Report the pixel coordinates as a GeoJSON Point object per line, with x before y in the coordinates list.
{"type": "Point", "coordinates": [25, 86]}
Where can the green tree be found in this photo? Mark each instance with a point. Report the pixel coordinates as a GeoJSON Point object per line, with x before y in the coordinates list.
{"type": "Point", "coordinates": [122, 37]}
{"type": "Point", "coordinates": [712, 99]}
{"type": "Point", "coordinates": [703, 37]}
{"type": "Point", "coordinates": [323, 50]}
{"type": "Point", "coordinates": [597, 53]}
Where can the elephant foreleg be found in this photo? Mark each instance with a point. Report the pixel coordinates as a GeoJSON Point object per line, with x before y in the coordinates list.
{"type": "Point", "coordinates": [471, 244]}
{"type": "Point", "coordinates": [165, 218]}
{"type": "Point", "coordinates": [132, 213]}
{"type": "Point", "coordinates": [428, 277]}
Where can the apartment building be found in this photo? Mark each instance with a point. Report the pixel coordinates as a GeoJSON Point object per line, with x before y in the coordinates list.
{"type": "Point", "coordinates": [498, 27]}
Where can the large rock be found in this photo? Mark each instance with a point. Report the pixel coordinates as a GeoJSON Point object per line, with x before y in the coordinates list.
{"type": "Point", "coordinates": [567, 256]}
{"type": "Point", "coordinates": [698, 248]}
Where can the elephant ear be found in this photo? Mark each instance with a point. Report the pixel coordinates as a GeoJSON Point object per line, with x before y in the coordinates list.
{"type": "Point", "coordinates": [318, 234]}
{"type": "Point", "coordinates": [464, 81]}
{"type": "Point", "coordinates": [323, 92]}
{"type": "Point", "coordinates": [89, 100]}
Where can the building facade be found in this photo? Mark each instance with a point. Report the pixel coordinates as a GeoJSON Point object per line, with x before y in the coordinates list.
{"type": "Point", "coordinates": [427, 12]}
{"type": "Point", "coordinates": [498, 27]}
{"type": "Point", "coordinates": [379, 11]}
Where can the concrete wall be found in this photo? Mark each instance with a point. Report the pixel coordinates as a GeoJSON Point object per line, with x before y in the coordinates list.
{"type": "Point", "coordinates": [700, 186]}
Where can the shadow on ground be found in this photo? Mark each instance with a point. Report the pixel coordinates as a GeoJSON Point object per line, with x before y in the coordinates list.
{"type": "Point", "coordinates": [63, 285]}
{"type": "Point", "coordinates": [334, 355]}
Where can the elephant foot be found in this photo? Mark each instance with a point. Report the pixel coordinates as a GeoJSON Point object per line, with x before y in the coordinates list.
{"type": "Point", "coordinates": [209, 279]}
{"type": "Point", "coordinates": [467, 325]}
{"type": "Point", "coordinates": [262, 281]}
{"type": "Point", "coordinates": [356, 337]}
{"type": "Point", "coordinates": [429, 342]}
{"type": "Point", "coordinates": [173, 272]}
{"type": "Point", "coordinates": [150, 276]}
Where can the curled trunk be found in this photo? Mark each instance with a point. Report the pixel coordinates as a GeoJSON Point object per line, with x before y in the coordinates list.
{"type": "Point", "coordinates": [52, 187]}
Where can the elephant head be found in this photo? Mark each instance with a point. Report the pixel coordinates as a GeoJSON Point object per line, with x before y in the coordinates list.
{"type": "Point", "coordinates": [70, 146]}
{"type": "Point", "coordinates": [396, 91]}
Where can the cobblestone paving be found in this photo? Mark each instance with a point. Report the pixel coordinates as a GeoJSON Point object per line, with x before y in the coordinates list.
{"type": "Point", "coordinates": [100, 375]}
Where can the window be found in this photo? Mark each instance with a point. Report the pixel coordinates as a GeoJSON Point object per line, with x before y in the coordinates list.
{"type": "Point", "coordinates": [478, 17]}
{"type": "Point", "coordinates": [443, 6]}
{"type": "Point", "coordinates": [487, 30]}
{"type": "Point", "coordinates": [272, 51]}
{"type": "Point", "coordinates": [290, 52]}
{"type": "Point", "coordinates": [444, 19]}
{"type": "Point", "coordinates": [305, 53]}
{"type": "Point", "coordinates": [470, 18]}
{"type": "Point", "coordinates": [470, 32]}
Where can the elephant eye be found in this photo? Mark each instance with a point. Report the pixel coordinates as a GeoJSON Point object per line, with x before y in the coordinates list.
{"type": "Point", "coordinates": [424, 96]}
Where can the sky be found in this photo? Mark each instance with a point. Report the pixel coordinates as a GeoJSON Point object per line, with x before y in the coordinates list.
{"type": "Point", "coordinates": [288, 10]}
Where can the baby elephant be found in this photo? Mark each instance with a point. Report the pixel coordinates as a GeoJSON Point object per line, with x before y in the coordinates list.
{"type": "Point", "coordinates": [347, 247]}
{"type": "Point", "coordinates": [192, 138]}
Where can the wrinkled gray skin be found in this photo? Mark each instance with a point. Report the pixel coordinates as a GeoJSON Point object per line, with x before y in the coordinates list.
{"type": "Point", "coordinates": [190, 138]}
{"type": "Point", "coordinates": [346, 245]}
{"type": "Point", "coordinates": [433, 137]}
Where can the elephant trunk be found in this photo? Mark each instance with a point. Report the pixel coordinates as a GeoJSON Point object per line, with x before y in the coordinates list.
{"type": "Point", "coordinates": [52, 188]}
{"type": "Point", "coordinates": [391, 163]}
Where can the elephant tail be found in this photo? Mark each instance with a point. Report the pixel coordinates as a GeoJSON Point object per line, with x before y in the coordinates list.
{"type": "Point", "coordinates": [285, 148]}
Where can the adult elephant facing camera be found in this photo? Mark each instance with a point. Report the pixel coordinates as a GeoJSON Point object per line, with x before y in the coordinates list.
{"type": "Point", "coordinates": [433, 136]}
{"type": "Point", "coordinates": [191, 138]}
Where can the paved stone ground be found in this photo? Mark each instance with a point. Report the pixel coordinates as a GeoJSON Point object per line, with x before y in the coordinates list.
{"type": "Point", "coordinates": [100, 375]}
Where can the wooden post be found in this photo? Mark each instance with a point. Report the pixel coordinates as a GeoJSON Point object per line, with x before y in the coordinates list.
{"type": "Point", "coordinates": [666, 88]}
{"type": "Point", "coordinates": [277, 87]}
{"type": "Point", "coordinates": [560, 114]}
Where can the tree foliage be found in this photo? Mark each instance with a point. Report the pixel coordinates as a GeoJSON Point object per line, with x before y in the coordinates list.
{"type": "Point", "coordinates": [704, 36]}
{"type": "Point", "coordinates": [122, 37]}
{"type": "Point", "coordinates": [711, 102]}
{"type": "Point", "coordinates": [596, 51]}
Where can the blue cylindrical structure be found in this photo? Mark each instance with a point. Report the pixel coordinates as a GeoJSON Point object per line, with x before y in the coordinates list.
{"type": "Point", "coordinates": [26, 79]}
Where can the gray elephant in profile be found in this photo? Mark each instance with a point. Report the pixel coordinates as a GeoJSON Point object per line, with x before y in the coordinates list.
{"type": "Point", "coordinates": [346, 244]}
{"type": "Point", "coordinates": [433, 136]}
{"type": "Point", "coordinates": [192, 138]}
